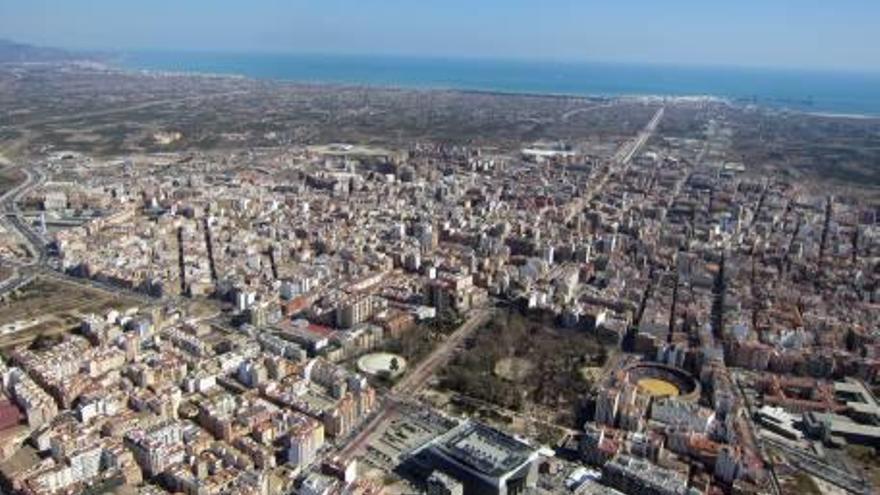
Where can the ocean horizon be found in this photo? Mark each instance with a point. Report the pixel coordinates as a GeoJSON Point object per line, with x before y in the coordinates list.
{"type": "Point", "coordinates": [813, 91]}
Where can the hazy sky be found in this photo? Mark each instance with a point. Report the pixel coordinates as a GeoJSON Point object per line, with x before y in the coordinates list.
{"type": "Point", "coordinates": [789, 33]}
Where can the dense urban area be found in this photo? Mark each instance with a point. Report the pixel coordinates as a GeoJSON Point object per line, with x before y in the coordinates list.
{"type": "Point", "coordinates": [215, 285]}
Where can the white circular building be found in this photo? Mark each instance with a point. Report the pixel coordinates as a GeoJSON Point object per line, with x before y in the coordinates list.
{"type": "Point", "coordinates": [382, 364]}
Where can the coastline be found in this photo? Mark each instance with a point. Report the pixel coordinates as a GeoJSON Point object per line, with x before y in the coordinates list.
{"type": "Point", "coordinates": [429, 86]}
{"type": "Point", "coordinates": [425, 88]}
{"type": "Point", "coordinates": [851, 116]}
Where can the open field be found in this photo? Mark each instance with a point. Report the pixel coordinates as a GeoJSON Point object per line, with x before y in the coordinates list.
{"type": "Point", "coordinates": [49, 307]}
{"type": "Point", "coordinates": [840, 151]}
{"type": "Point", "coordinates": [868, 460]}
{"type": "Point", "coordinates": [514, 369]}
{"type": "Point", "coordinates": [133, 112]}
{"type": "Point", "coordinates": [9, 178]}
{"type": "Point", "coordinates": [802, 484]}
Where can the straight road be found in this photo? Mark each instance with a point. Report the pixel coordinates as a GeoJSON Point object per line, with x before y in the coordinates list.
{"type": "Point", "coordinates": [636, 145]}
{"type": "Point", "coordinates": [416, 379]}
{"type": "Point", "coordinates": [406, 389]}
{"type": "Point", "coordinates": [621, 160]}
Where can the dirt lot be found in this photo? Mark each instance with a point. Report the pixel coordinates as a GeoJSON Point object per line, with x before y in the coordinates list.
{"type": "Point", "coordinates": [51, 307]}
{"type": "Point", "coordinates": [9, 177]}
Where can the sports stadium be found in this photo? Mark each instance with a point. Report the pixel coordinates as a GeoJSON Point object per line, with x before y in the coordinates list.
{"type": "Point", "coordinates": [660, 380]}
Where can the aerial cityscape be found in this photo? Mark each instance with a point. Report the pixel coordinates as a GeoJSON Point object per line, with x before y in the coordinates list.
{"type": "Point", "coordinates": [217, 284]}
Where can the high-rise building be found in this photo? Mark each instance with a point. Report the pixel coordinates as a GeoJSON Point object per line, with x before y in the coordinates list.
{"type": "Point", "coordinates": [304, 439]}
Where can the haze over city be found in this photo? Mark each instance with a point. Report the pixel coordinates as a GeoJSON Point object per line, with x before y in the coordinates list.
{"type": "Point", "coordinates": [442, 248]}
{"type": "Point", "coordinates": [785, 33]}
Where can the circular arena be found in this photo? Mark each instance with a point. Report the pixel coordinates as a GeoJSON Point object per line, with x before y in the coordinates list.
{"type": "Point", "coordinates": [659, 380]}
{"type": "Point", "coordinates": [382, 364]}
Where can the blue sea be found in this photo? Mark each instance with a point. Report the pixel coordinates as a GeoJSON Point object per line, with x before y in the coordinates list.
{"type": "Point", "coordinates": [811, 91]}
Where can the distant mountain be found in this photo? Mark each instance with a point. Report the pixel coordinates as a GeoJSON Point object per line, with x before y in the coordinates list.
{"type": "Point", "coordinates": [11, 51]}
